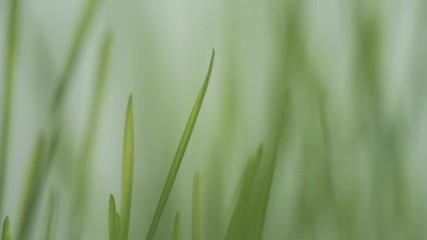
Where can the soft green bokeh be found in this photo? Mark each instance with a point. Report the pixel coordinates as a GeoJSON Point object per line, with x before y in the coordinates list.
{"type": "Point", "coordinates": [335, 92]}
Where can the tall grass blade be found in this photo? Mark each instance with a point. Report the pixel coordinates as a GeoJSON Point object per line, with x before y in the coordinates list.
{"type": "Point", "coordinates": [74, 52]}
{"type": "Point", "coordinates": [173, 171]}
{"type": "Point", "coordinates": [10, 62]}
{"type": "Point", "coordinates": [112, 215]}
{"type": "Point", "coordinates": [197, 209]}
{"type": "Point", "coordinates": [176, 235]}
{"type": "Point", "coordinates": [117, 226]}
{"type": "Point", "coordinates": [52, 209]}
{"type": "Point", "coordinates": [241, 221]}
{"type": "Point", "coordinates": [127, 173]}
{"type": "Point", "coordinates": [6, 229]}
{"type": "Point", "coordinates": [31, 189]}
{"type": "Point", "coordinates": [264, 196]}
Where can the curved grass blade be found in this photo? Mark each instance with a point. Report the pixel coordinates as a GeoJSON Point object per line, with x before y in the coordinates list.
{"type": "Point", "coordinates": [31, 189]}
{"type": "Point", "coordinates": [52, 208]}
{"type": "Point", "coordinates": [10, 61]}
{"type": "Point", "coordinates": [112, 215]}
{"type": "Point", "coordinates": [127, 173]}
{"type": "Point", "coordinates": [196, 218]}
{"type": "Point", "coordinates": [6, 229]}
{"type": "Point", "coordinates": [74, 52]}
{"type": "Point", "coordinates": [179, 155]}
{"type": "Point", "coordinates": [177, 228]}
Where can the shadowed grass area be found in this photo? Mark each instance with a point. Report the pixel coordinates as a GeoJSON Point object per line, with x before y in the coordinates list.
{"type": "Point", "coordinates": [179, 155]}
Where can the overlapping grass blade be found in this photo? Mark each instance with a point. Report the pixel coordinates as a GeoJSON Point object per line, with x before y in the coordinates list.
{"type": "Point", "coordinates": [74, 52]}
{"type": "Point", "coordinates": [264, 196]}
{"type": "Point", "coordinates": [241, 219]}
{"type": "Point", "coordinates": [173, 171]}
{"type": "Point", "coordinates": [197, 208]}
{"type": "Point", "coordinates": [112, 215]}
{"type": "Point", "coordinates": [176, 235]}
{"type": "Point", "coordinates": [31, 189]}
{"type": "Point", "coordinates": [52, 208]}
{"type": "Point", "coordinates": [6, 229]}
{"type": "Point", "coordinates": [10, 62]}
{"type": "Point", "coordinates": [127, 172]}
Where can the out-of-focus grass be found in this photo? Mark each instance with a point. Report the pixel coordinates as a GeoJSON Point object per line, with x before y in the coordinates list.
{"type": "Point", "coordinates": [334, 91]}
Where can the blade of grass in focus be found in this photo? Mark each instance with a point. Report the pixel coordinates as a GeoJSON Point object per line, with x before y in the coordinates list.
{"type": "Point", "coordinates": [196, 219]}
{"type": "Point", "coordinates": [112, 215]}
{"type": "Point", "coordinates": [127, 172]}
{"type": "Point", "coordinates": [74, 52]}
{"type": "Point", "coordinates": [173, 171]}
{"type": "Point", "coordinates": [176, 235]}
{"type": "Point", "coordinates": [31, 189]}
{"type": "Point", "coordinates": [6, 229]}
{"type": "Point", "coordinates": [10, 61]}
{"type": "Point", "coordinates": [52, 208]}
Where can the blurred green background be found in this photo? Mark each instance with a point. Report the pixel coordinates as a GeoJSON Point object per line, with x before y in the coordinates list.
{"type": "Point", "coordinates": [336, 89]}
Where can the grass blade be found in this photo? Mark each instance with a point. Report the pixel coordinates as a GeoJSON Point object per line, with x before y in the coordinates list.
{"type": "Point", "coordinates": [117, 226]}
{"type": "Point", "coordinates": [241, 219]}
{"type": "Point", "coordinates": [177, 228]}
{"type": "Point", "coordinates": [112, 215]}
{"type": "Point", "coordinates": [74, 52]}
{"type": "Point", "coordinates": [127, 173]}
{"type": "Point", "coordinates": [52, 208]}
{"type": "Point", "coordinates": [6, 229]}
{"type": "Point", "coordinates": [10, 61]}
{"type": "Point", "coordinates": [196, 219]}
{"type": "Point", "coordinates": [31, 189]}
{"type": "Point", "coordinates": [264, 196]}
{"type": "Point", "coordinates": [173, 171]}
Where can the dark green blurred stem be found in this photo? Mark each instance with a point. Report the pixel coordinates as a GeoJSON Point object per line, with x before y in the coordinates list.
{"type": "Point", "coordinates": [11, 62]}
{"type": "Point", "coordinates": [31, 189]}
{"type": "Point", "coordinates": [74, 52]}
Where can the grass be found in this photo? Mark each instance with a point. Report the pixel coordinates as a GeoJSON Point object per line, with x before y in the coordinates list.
{"type": "Point", "coordinates": [6, 229]}
{"type": "Point", "coordinates": [127, 173]}
{"type": "Point", "coordinates": [338, 160]}
{"type": "Point", "coordinates": [176, 234]}
{"type": "Point", "coordinates": [10, 72]}
{"type": "Point", "coordinates": [179, 155]}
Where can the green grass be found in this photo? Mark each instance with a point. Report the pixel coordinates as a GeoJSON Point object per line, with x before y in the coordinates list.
{"type": "Point", "coordinates": [8, 94]}
{"type": "Point", "coordinates": [342, 151]}
{"type": "Point", "coordinates": [6, 229]}
{"type": "Point", "coordinates": [127, 173]}
{"type": "Point", "coordinates": [179, 155]}
{"type": "Point", "coordinates": [176, 234]}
